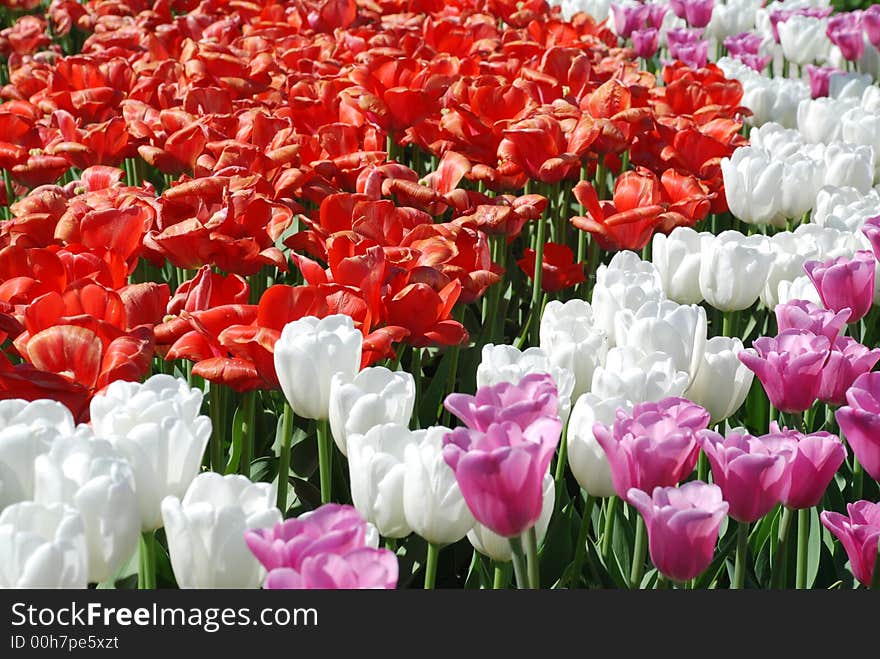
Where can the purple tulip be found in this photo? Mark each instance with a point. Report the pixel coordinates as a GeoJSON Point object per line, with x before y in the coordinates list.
{"type": "Point", "coordinates": [859, 533]}
{"type": "Point", "coordinates": [646, 42]}
{"type": "Point", "coordinates": [860, 421]}
{"type": "Point", "coordinates": [845, 31]}
{"type": "Point", "coordinates": [743, 43]}
{"type": "Point", "coordinates": [325, 548]}
{"type": "Point", "coordinates": [688, 46]}
{"type": "Point", "coordinates": [804, 315]}
{"type": "Point", "coordinates": [678, 7]}
{"type": "Point", "coordinates": [845, 282]}
{"type": "Point", "coordinates": [750, 475]}
{"type": "Point", "coordinates": [812, 460]}
{"type": "Point", "coordinates": [656, 14]}
{"type": "Point", "coordinates": [501, 471]}
{"type": "Point", "coordinates": [820, 80]}
{"type": "Point", "coordinates": [522, 403]}
{"type": "Point", "coordinates": [789, 367]}
{"type": "Point", "coordinates": [628, 18]}
{"type": "Point", "coordinates": [871, 229]}
{"type": "Point", "coordinates": [683, 524]}
{"type": "Point", "coordinates": [871, 23]}
{"type": "Point", "coordinates": [654, 446]}
{"type": "Point", "coordinates": [847, 360]}
{"type": "Point", "coordinates": [698, 13]}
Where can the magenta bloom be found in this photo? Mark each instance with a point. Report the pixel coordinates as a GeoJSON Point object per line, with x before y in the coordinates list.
{"type": "Point", "coordinates": [789, 367]}
{"type": "Point", "coordinates": [845, 32]}
{"type": "Point", "coordinates": [845, 282]}
{"type": "Point", "coordinates": [859, 534]}
{"type": "Point", "coordinates": [755, 62]}
{"type": "Point", "coordinates": [654, 446]}
{"type": "Point", "coordinates": [698, 13]}
{"type": "Point", "coordinates": [656, 14]}
{"type": "Point", "coordinates": [804, 315]}
{"type": "Point", "coordinates": [871, 229]}
{"type": "Point", "coordinates": [325, 548]}
{"type": "Point", "coordinates": [678, 7]}
{"type": "Point", "coordinates": [860, 421]}
{"type": "Point", "coordinates": [688, 46]}
{"type": "Point", "coordinates": [501, 471]}
{"type": "Point", "coordinates": [847, 360]}
{"type": "Point", "coordinates": [522, 403]}
{"type": "Point", "coordinates": [359, 569]}
{"type": "Point", "coordinates": [820, 80]}
{"type": "Point", "coordinates": [776, 17]}
{"type": "Point", "coordinates": [743, 43]}
{"type": "Point", "coordinates": [871, 23]}
{"type": "Point", "coordinates": [750, 475]}
{"type": "Point", "coordinates": [683, 524]}
{"type": "Point", "coordinates": [812, 460]}
{"type": "Point", "coordinates": [646, 42]}
{"type": "Point", "coordinates": [628, 18]}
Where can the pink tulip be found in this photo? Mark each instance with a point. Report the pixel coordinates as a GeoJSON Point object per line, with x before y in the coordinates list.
{"type": "Point", "coordinates": [859, 533]}
{"type": "Point", "coordinates": [871, 229]}
{"type": "Point", "coordinates": [656, 14]}
{"type": "Point", "coordinates": [628, 18]}
{"type": "Point", "coordinates": [501, 471]}
{"type": "Point", "coordinates": [820, 80]}
{"type": "Point", "coordinates": [698, 13]}
{"type": "Point", "coordinates": [743, 43]}
{"type": "Point", "coordinates": [654, 446]}
{"type": "Point", "coordinates": [812, 461]}
{"type": "Point", "coordinates": [683, 524]}
{"type": "Point", "coordinates": [678, 7]}
{"type": "Point", "coordinates": [646, 42]}
{"type": "Point", "coordinates": [845, 31]}
{"type": "Point", "coordinates": [871, 23]}
{"type": "Point", "coordinates": [845, 282]}
{"type": "Point", "coordinates": [804, 315]}
{"type": "Point", "coordinates": [533, 397]}
{"type": "Point", "coordinates": [860, 421]}
{"type": "Point", "coordinates": [749, 473]}
{"type": "Point", "coordinates": [325, 548]}
{"type": "Point", "coordinates": [789, 367]}
{"type": "Point", "coordinates": [847, 360]}
{"type": "Point", "coordinates": [359, 569]}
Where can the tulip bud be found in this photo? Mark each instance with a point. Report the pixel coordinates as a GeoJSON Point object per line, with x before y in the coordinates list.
{"type": "Point", "coordinates": [375, 396]}
{"type": "Point", "coordinates": [634, 375]}
{"type": "Point", "coordinates": [723, 381]}
{"type": "Point", "coordinates": [307, 355]}
{"type": "Point", "coordinates": [859, 533]}
{"type": "Point", "coordinates": [626, 282]}
{"type": "Point", "coordinates": [677, 258]}
{"type": "Point", "coordinates": [733, 270]}
{"type": "Point", "coordinates": [586, 457]}
{"type": "Point", "coordinates": [571, 340]}
{"type": "Point", "coordinates": [43, 546]}
{"type": "Point", "coordinates": [753, 185]}
{"type": "Point", "coordinates": [205, 531]}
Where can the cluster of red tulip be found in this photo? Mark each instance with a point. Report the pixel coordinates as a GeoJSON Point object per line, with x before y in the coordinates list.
{"type": "Point", "coordinates": [184, 178]}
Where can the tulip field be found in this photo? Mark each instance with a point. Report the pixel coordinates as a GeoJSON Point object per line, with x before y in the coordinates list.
{"type": "Point", "coordinates": [474, 294]}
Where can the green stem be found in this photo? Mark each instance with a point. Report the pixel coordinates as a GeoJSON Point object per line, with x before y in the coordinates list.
{"type": "Point", "coordinates": [501, 576]}
{"type": "Point", "coordinates": [702, 467]}
{"type": "Point", "coordinates": [802, 547]}
{"type": "Point", "coordinates": [431, 566]}
{"type": "Point", "coordinates": [580, 549]}
{"type": "Point", "coordinates": [534, 566]}
{"type": "Point", "coordinates": [858, 477]}
{"type": "Point", "coordinates": [247, 432]}
{"type": "Point", "coordinates": [519, 562]}
{"type": "Point", "coordinates": [391, 544]}
{"type": "Point", "coordinates": [217, 404]}
{"type": "Point", "coordinates": [742, 551]}
{"type": "Point", "coordinates": [325, 459]}
{"type": "Point", "coordinates": [147, 574]}
{"type": "Point", "coordinates": [639, 552]}
{"type": "Point", "coordinates": [416, 366]}
{"type": "Point", "coordinates": [561, 461]}
{"type": "Point", "coordinates": [779, 563]}
{"type": "Point", "coordinates": [608, 532]}
{"type": "Point", "coordinates": [538, 278]}
{"type": "Point", "coordinates": [284, 457]}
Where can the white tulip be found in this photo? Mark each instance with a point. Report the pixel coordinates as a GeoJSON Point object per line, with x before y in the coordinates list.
{"type": "Point", "coordinates": [205, 531]}
{"type": "Point", "coordinates": [818, 119]}
{"type": "Point", "coordinates": [497, 547]}
{"type": "Point", "coordinates": [637, 376]}
{"type": "Point", "coordinates": [586, 457]}
{"type": "Point", "coordinates": [626, 282]}
{"type": "Point", "coordinates": [157, 427]}
{"type": "Point", "coordinates": [753, 185]}
{"type": "Point", "coordinates": [504, 363]}
{"type": "Point", "coordinates": [377, 395]}
{"type": "Point", "coordinates": [42, 547]}
{"type": "Point", "coordinates": [734, 269]}
{"type": "Point", "coordinates": [677, 258]}
{"type": "Point", "coordinates": [803, 39]}
{"type": "Point", "coordinates": [307, 355]}
{"type": "Point", "coordinates": [90, 475]}
{"type": "Point", "coordinates": [572, 341]}
{"type": "Point", "coordinates": [432, 501]}
{"type": "Point", "coordinates": [800, 288]}
{"type": "Point", "coordinates": [850, 164]}
{"type": "Point", "coordinates": [27, 429]}
{"type": "Point", "coordinates": [722, 381]}
{"type": "Point", "coordinates": [377, 470]}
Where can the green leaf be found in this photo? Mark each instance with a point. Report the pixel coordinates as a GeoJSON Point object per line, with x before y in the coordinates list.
{"type": "Point", "coordinates": [814, 547]}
